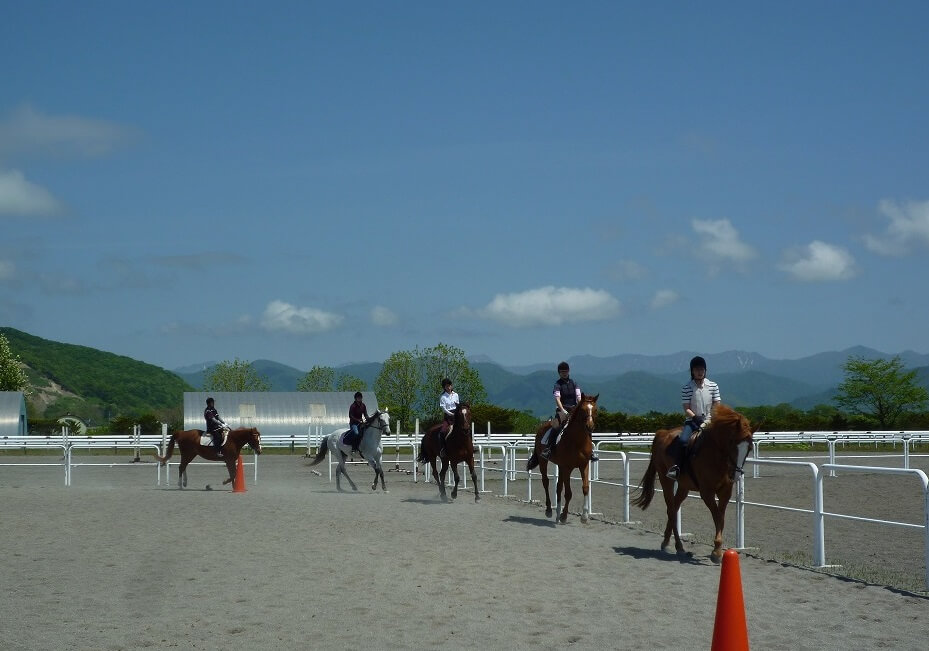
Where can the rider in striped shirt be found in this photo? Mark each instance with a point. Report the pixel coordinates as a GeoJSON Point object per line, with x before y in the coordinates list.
{"type": "Point", "coordinates": [698, 397]}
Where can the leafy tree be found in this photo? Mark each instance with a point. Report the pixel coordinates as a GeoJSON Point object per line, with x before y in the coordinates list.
{"type": "Point", "coordinates": [444, 361]}
{"type": "Point", "coordinates": [318, 378]}
{"type": "Point", "coordinates": [880, 390]}
{"type": "Point", "coordinates": [351, 383]}
{"type": "Point", "coordinates": [396, 385]}
{"type": "Point", "coordinates": [503, 420]}
{"type": "Point", "coordinates": [12, 375]}
{"type": "Point", "coordinates": [237, 375]}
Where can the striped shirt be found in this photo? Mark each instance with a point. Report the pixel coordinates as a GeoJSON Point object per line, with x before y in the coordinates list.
{"type": "Point", "coordinates": [700, 399]}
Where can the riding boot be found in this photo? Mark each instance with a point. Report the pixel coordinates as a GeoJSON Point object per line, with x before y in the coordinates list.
{"type": "Point", "coordinates": [675, 450]}
{"type": "Point", "coordinates": [550, 448]}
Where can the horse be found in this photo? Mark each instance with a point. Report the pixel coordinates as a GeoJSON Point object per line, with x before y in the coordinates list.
{"type": "Point", "coordinates": [716, 456]}
{"type": "Point", "coordinates": [574, 450]}
{"type": "Point", "coordinates": [189, 443]}
{"type": "Point", "coordinates": [370, 447]}
{"type": "Point", "coordinates": [459, 446]}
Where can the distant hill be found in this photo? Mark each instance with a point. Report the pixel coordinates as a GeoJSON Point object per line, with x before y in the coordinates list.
{"type": "Point", "coordinates": [89, 382]}
{"type": "Point", "coordinates": [634, 384]}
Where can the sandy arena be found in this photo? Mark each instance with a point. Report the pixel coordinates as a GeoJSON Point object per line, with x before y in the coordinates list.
{"type": "Point", "coordinates": [116, 562]}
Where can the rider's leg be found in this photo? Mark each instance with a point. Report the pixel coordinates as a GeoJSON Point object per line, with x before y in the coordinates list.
{"type": "Point", "coordinates": [678, 450]}
{"type": "Point", "coordinates": [217, 443]}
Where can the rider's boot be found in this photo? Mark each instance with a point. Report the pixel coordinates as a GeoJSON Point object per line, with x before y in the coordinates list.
{"type": "Point", "coordinates": [675, 450]}
{"type": "Point", "coordinates": [550, 446]}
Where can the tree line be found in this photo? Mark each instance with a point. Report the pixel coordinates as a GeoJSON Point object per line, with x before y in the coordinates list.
{"type": "Point", "coordinates": [876, 394]}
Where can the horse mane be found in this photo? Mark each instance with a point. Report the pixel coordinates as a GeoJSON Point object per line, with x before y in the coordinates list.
{"type": "Point", "coordinates": [725, 416]}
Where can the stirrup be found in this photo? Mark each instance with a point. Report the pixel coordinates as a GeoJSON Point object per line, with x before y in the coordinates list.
{"type": "Point", "coordinates": [673, 472]}
{"type": "Point", "coordinates": [546, 453]}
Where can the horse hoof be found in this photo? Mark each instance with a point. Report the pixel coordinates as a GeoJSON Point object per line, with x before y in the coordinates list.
{"type": "Point", "coordinates": [563, 519]}
{"type": "Point", "coordinates": [548, 513]}
{"type": "Point", "coordinates": [585, 519]}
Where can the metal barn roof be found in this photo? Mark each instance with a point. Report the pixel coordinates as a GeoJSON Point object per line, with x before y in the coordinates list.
{"type": "Point", "coordinates": [275, 412]}
{"type": "Point", "coordinates": [13, 413]}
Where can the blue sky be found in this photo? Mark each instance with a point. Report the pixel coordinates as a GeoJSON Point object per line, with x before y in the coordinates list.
{"type": "Point", "coordinates": [325, 183]}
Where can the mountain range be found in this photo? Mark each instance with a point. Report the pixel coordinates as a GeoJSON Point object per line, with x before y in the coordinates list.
{"type": "Point", "coordinates": [633, 383]}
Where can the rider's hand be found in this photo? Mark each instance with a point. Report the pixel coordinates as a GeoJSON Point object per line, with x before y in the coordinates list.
{"type": "Point", "coordinates": [697, 421]}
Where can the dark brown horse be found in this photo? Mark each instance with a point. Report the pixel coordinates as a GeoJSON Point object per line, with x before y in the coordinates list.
{"type": "Point", "coordinates": [573, 451]}
{"type": "Point", "coordinates": [189, 443]}
{"type": "Point", "coordinates": [716, 456]}
{"type": "Point", "coordinates": [459, 446]}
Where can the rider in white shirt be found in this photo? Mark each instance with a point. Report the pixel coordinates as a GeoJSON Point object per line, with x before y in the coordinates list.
{"type": "Point", "coordinates": [698, 397]}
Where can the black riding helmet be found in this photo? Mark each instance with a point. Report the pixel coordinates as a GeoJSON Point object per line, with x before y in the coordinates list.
{"type": "Point", "coordinates": [697, 362]}
{"type": "Point", "coordinates": [563, 367]}
{"type": "Point", "coordinates": [209, 401]}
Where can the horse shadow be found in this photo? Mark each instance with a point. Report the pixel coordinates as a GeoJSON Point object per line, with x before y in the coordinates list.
{"type": "Point", "coordinates": [639, 553]}
{"type": "Point", "coordinates": [422, 500]}
{"type": "Point", "coordinates": [536, 522]}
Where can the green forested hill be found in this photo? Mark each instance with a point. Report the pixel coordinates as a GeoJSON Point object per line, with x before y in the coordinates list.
{"type": "Point", "coordinates": [104, 385]}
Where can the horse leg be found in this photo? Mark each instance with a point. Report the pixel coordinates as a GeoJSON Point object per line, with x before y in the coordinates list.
{"type": "Point", "coordinates": [182, 471]}
{"type": "Point", "coordinates": [345, 472]}
{"type": "Point", "coordinates": [439, 481]}
{"type": "Point", "coordinates": [470, 462]}
{"type": "Point", "coordinates": [230, 466]}
{"type": "Point", "coordinates": [717, 504]}
{"type": "Point", "coordinates": [676, 502]}
{"type": "Point", "coordinates": [543, 468]}
{"type": "Point", "coordinates": [457, 480]}
{"type": "Point", "coordinates": [585, 487]}
{"type": "Point", "coordinates": [565, 479]}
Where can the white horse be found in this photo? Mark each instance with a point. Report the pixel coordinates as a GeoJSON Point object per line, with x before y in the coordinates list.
{"type": "Point", "coordinates": [377, 426]}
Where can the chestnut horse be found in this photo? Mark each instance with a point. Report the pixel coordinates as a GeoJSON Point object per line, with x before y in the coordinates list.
{"type": "Point", "coordinates": [189, 443]}
{"type": "Point", "coordinates": [716, 456]}
{"type": "Point", "coordinates": [459, 446]}
{"type": "Point", "coordinates": [573, 450]}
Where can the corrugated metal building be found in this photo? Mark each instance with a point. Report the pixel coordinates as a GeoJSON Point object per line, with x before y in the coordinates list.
{"type": "Point", "coordinates": [275, 412]}
{"type": "Point", "coordinates": [13, 413]}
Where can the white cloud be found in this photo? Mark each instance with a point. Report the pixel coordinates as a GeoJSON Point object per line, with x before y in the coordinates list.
{"type": "Point", "coordinates": [26, 131]}
{"type": "Point", "coordinates": [383, 316]}
{"type": "Point", "coordinates": [909, 225]}
{"type": "Point", "coordinates": [720, 239]}
{"type": "Point", "coordinates": [550, 306]}
{"type": "Point", "coordinates": [24, 199]}
{"type": "Point", "coordinates": [284, 317]}
{"type": "Point", "coordinates": [664, 298]}
{"type": "Point", "coordinates": [819, 261]}
{"type": "Point", "coordinates": [7, 269]}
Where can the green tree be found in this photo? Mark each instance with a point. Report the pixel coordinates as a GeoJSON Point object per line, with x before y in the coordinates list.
{"type": "Point", "coordinates": [318, 378]}
{"type": "Point", "coordinates": [880, 390]}
{"type": "Point", "coordinates": [445, 361]}
{"type": "Point", "coordinates": [12, 375]}
{"type": "Point", "coordinates": [396, 385]}
{"type": "Point", "coordinates": [350, 383]}
{"type": "Point", "coordinates": [237, 375]}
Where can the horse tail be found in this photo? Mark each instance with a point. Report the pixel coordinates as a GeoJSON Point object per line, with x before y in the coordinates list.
{"type": "Point", "coordinates": [163, 460]}
{"type": "Point", "coordinates": [323, 449]}
{"type": "Point", "coordinates": [647, 486]}
{"type": "Point", "coordinates": [421, 457]}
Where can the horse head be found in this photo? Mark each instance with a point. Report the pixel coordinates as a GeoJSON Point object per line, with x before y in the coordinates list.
{"type": "Point", "coordinates": [253, 439]}
{"type": "Point", "coordinates": [734, 431]}
{"type": "Point", "coordinates": [587, 409]}
{"type": "Point", "coordinates": [380, 420]}
{"type": "Point", "coordinates": [463, 417]}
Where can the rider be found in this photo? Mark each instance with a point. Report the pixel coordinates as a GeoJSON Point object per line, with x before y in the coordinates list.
{"type": "Point", "coordinates": [567, 395]}
{"type": "Point", "coordinates": [215, 426]}
{"type": "Point", "coordinates": [448, 401]}
{"type": "Point", "coordinates": [699, 397]}
{"type": "Point", "coordinates": [357, 419]}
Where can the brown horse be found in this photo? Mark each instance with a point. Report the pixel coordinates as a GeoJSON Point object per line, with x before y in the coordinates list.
{"type": "Point", "coordinates": [459, 446]}
{"type": "Point", "coordinates": [189, 443]}
{"type": "Point", "coordinates": [573, 451]}
{"type": "Point", "coordinates": [716, 456]}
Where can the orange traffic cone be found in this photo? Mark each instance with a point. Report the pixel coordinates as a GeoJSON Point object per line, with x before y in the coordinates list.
{"type": "Point", "coordinates": [730, 632]}
{"type": "Point", "coordinates": [238, 485]}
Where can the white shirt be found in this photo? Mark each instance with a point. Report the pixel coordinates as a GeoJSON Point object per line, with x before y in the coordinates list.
{"type": "Point", "coordinates": [700, 399]}
{"type": "Point", "coordinates": [448, 402]}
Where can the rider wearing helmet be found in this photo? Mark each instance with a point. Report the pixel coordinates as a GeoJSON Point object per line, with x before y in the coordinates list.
{"type": "Point", "coordinates": [357, 418]}
{"type": "Point", "coordinates": [214, 426]}
{"type": "Point", "coordinates": [698, 396]}
{"type": "Point", "coordinates": [448, 402]}
{"type": "Point", "coordinates": [567, 394]}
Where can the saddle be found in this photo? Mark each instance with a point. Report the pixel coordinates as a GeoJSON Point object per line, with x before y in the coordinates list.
{"type": "Point", "coordinates": [206, 438]}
